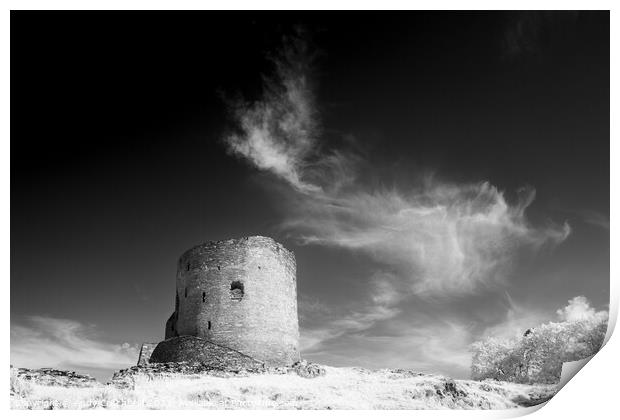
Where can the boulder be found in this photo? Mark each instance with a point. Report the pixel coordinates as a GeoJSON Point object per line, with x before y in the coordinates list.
{"type": "Point", "coordinates": [308, 370]}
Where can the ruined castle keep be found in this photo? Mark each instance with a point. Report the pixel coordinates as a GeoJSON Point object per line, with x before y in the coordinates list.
{"type": "Point", "coordinates": [240, 294]}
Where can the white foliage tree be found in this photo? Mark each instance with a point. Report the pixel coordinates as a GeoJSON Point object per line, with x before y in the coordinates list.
{"type": "Point", "coordinates": [537, 356]}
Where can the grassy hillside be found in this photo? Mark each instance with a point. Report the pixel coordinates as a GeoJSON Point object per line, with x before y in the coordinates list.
{"type": "Point", "coordinates": [339, 388]}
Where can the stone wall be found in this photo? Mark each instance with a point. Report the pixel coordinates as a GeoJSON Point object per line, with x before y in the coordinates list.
{"type": "Point", "coordinates": [242, 294]}
{"type": "Point", "coordinates": [198, 350]}
{"type": "Point", "coordinates": [145, 353]}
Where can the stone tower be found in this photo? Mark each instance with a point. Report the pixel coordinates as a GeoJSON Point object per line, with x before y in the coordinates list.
{"type": "Point", "coordinates": [242, 294]}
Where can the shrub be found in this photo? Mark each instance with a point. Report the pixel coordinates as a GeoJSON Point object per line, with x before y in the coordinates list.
{"type": "Point", "coordinates": [19, 386]}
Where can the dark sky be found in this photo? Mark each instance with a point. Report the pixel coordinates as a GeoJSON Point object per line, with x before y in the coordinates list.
{"type": "Point", "coordinates": [119, 163]}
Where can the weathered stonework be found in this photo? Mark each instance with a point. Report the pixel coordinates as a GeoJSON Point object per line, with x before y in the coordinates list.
{"type": "Point", "coordinates": [241, 294]}
{"type": "Point", "coordinates": [145, 353]}
{"type": "Point", "coordinates": [198, 350]}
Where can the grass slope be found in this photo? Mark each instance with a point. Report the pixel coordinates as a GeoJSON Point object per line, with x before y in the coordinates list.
{"type": "Point", "coordinates": [340, 388]}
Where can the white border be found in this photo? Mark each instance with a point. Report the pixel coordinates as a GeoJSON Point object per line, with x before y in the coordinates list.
{"type": "Point", "coordinates": [592, 394]}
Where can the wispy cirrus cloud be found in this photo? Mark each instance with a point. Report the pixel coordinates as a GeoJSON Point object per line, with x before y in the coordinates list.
{"type": "Point", "coordinates": [533, 33]}
{"type": "Point", "coordinates": [42, 341]}
{"type": "Point", "coordinates": [516, 319]}
{"type": "Point", "coordinates": [279, 132]}
{"type": "Point", "coordinates": [328, 324]}
{"type": "Point", "coordinates": [431, 239]}
{"type": "Point", "coordinates": [427, 342]}
{"type": "Point", "coordinates": [380, 339]}
{"type": "Point", "coordinates": [440, 239]}
{"type": "Point", "coordinates": [595, 218]}
{"type": "Point", "coordinates": [437, 238]}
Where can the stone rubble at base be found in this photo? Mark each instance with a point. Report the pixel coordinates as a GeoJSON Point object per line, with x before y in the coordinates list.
{"type": "Point", "coordinates": [125, 378]}
{"type": "Point", "coordinates": [57, 377]}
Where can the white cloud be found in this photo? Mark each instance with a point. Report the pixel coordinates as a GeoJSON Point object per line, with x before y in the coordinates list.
{"type": "Point", "coordinates": [328, 324]}
{"type": "Point", "coordinates": [66, 344]}
{"type": "Point", "coordinates": [313, 339]}
{"type": "Point", "coordinates": [440, 239]}
{"type": "Point", "coordinates": [442, 347]}
{"type": "Point", "coordinates": [521, 317]}
{"type": "Point", "coordinates": [278, 132]}
{"type": "Point", "coordinates": [416, 339]}
{"type": "Point", "coordinates": [437, 238]}
{"type": "Point", "coordinates": [596, 219]}
{"type": "Point", "coordinates": [383, 291]}
{"type": "Point", "coordinates": [422, 343]}
{"type": "Point", "coordinates": [434, 239]}
{"type": "Point", "coordinates": [412, 339]}
{"type": "Point", "coordinates": [578, 309]}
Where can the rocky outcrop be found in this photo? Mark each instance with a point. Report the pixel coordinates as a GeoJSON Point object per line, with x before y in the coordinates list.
{"type": "Point", "coordinates": [56, 377]}
{"type": "Point", "coordinates": [306, 369]}
{"type": "Point", "coordinates": [184, 385]}
{"type": "Point", "coordinates": [126, 378]}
